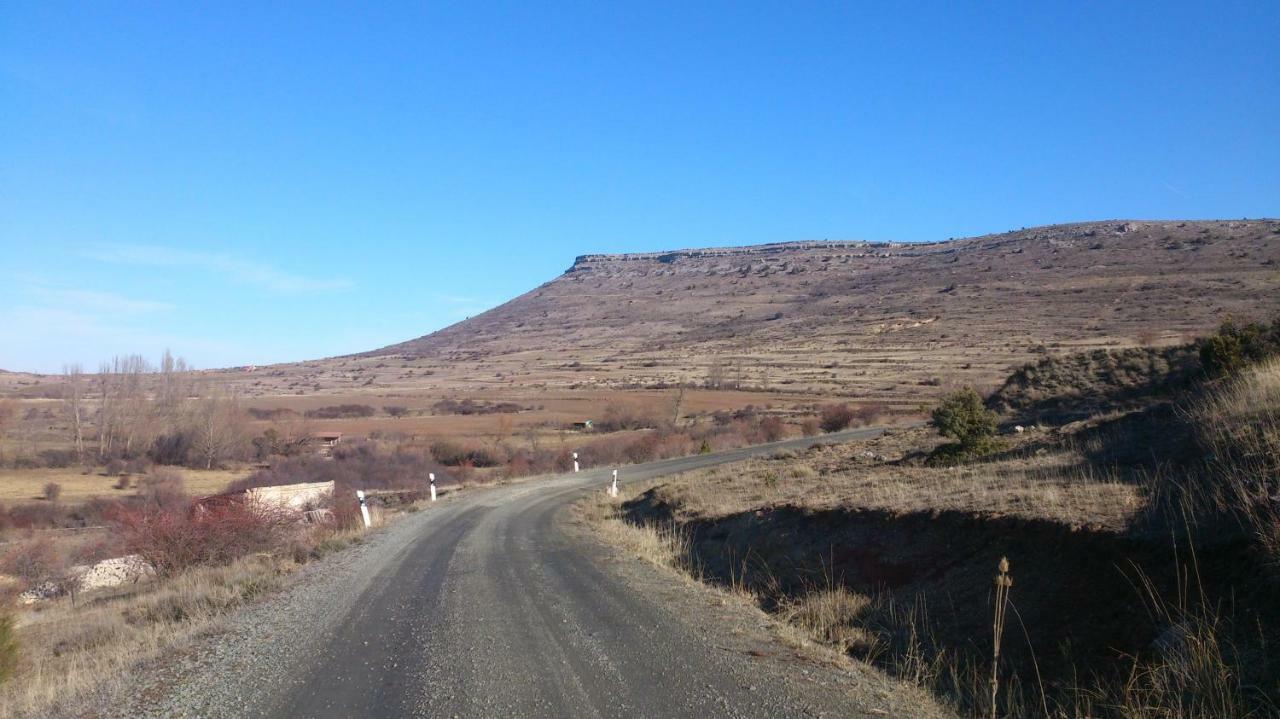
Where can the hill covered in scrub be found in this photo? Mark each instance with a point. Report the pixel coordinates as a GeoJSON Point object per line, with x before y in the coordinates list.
{"type": "Point", "coordinates": [884, 321]}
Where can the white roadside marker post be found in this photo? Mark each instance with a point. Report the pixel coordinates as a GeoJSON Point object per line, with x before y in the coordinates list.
{"type": "Point", "coordinates": [613, 488]}
{"type": "Point", "coordinates": [432, 477]}
{"type": "Point", "coordinates": [575, 462]}
{"type": "Point", "coordinates": [364, 508]}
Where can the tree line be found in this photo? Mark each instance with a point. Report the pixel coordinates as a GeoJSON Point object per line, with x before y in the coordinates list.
{"type": "Point", "coordinates": [167, 413]}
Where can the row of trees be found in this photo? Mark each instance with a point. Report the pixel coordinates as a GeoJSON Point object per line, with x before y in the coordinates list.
{"type": "Point", "coordinates": [131, 409]}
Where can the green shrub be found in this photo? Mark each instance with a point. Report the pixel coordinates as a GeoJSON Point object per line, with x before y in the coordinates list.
{"type": "Point", "coordinates": [962, 417]}
{"type": "Point", "coordinates": [1235, 346]}
{"type": "Point", "coordinates": [953, 453]}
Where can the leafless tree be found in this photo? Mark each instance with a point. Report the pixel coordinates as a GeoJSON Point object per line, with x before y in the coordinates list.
{"type": "Point", "coordinates": [677, 400]}
{"type": "Point", "coordinates": [716, 375]}
{"type": "Point", "coordinates": [73, 399]}
{"type": "Point", "coordinates": [219, 426]}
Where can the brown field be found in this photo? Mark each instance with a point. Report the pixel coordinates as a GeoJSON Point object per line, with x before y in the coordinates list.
{"type": "Point", "coordinates": [24, 485]}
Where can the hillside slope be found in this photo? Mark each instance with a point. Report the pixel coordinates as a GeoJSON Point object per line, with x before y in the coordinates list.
{"type": "Point", "coordinates": [862, 317]}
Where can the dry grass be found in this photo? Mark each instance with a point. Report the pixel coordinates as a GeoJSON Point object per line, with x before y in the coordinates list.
{"type": "Point", "coordinates": [665, 545]}
{"type": "Point", "coordinates": [67, 647]}
{"type": "Point", "coordinates": [23, 485]}
{"type": "Point", "coordinates": [1239, 423]}
{"type": "Point", "coordinates": [1055, 485]}
{"type": "Point", "coordinates": [835, 616]}
{"type": "Point", "coordinates": [66, 650]}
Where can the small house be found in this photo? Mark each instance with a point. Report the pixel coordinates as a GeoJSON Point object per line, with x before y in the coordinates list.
{"type": "Point", "coordinates": [324, 442]}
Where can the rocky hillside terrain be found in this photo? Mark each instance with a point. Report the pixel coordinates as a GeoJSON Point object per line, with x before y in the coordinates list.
{"type": "Point", "coordinates": [888, 322]}
{"type": "Point", "coordinates": [875, 320]}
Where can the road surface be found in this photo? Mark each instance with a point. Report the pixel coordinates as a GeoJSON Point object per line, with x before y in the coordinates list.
{"type": "Point", "coordinates": [487, 605]}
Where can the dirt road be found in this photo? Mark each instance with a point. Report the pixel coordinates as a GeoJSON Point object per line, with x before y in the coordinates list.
{"type": "Point", "coordinates": [489, 605]}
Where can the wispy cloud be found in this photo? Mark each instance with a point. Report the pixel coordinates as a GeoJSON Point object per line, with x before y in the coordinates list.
{"type": "Point", "coordinates": [234, 268]}
{"type": "Point", "coordinates": [96, 302]}
{"type": "Point", "coordinates": [1175, 190]}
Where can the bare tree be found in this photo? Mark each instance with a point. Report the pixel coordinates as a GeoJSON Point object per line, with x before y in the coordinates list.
{"type": "Point", "coordinates": [73, 391]}
{"type": "Point", "coordinates": [716, 375]}
{"type": "Point", "coordinates": [676, 401]}
{"type": "Point", "coordinates": [219, 426]}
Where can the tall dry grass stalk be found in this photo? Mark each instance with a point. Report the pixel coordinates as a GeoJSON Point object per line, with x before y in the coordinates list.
{"type": "Point", "coordinates": [1003, 584]}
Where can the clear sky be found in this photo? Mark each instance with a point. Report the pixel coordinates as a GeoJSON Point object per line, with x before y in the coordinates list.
{"type": "Point", "coordinates": [259, 182]}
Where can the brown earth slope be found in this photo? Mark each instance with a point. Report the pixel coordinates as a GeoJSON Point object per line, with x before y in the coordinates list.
{"type": "Point", "coordinates": [874, 320]}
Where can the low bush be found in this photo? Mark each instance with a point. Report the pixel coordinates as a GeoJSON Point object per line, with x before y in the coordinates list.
{"type": "Point", "coordinates": [58, 458]}
{"type": "Point", "coordinates": [52, 491]}
{"type": "Point", "coordinates": [619, 417]}
{"type": "Point", "coordinates": [453, 454]}
{"type": "Point", "coordinates": [470, 406]}
{"type": "Point", "coordinates": [810, 426]}
{"type": "Point", "coordinates": [270, 414]}
{"type": "Point", "coordinates": [868, 413]}
{"type": "Point", "coordinates": [173, 539]}
{"type": "Point", "coordinates": [835, 417]}
{"type": "Point", "coordinates": [773, 429]}
{"type": "Point", "coordinates": [342, 411]}
{"type": "Point", "coordinates": [164, 488]}
{"type": "Point", "coordinates": [355, 465]}
{"type": "Point", "coordinates": [1235, 346]}
{"type": "Point", "coordinates": [33, 562]}
{"type": "Point", "coordinates": [963, 417]}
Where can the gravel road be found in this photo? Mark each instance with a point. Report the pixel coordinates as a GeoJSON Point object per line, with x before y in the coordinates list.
{"type": "Point", "coordinates": [492, 603]}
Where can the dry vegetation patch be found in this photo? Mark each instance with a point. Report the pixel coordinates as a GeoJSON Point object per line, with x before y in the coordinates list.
{"type": "Point", "coordinates": [1143, 543]}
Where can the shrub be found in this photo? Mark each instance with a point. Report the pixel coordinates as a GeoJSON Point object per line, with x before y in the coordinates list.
{"type": "Point", "coordinates": [810, 426]}
{"type": "Point", "coordinates": [174, 539]}
{"type": "Point", "coordinates": [1236, 345]}
{"type": "Point", "coordinates": [270, 414]}
{"type": "Point", "coordinates": [396, 410]}
{"type": "Point", "coordinates": [836, 417]}
{"type": "Point", "coordinates": [52, 491]}
{"type": "Point", "coordinates": [446, 452]}
{"type": "Point", "coordinates": [33, 562]}
{"type": "Point", "coordinates": [868, 413]}
{"type": "Point", "coordinates": [470, 406]}
{"type": "Point", "coordinates": [962, 417]}
{"type": "Point", "coordinates": [772, 429]}
{"type": "Point", "coordinates": [172, 448]}
{"type": "Point", "coordinates": [354, 465]}
{"type": "Point", "coordinates": [164, 489]}
{"type": "Point", "coordinates": [619, 417]}
{"type": "Point", "coordinates": [57, 458]}
{"type": "Point", "coordinates": [342, 411]}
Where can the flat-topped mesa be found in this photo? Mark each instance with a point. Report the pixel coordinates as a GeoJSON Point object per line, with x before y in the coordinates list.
{"type": "Point", "coordinates": [773, 248]}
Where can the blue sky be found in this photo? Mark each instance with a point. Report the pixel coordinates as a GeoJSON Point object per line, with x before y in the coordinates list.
{"type": "Point", "coordinates": [259, 182]}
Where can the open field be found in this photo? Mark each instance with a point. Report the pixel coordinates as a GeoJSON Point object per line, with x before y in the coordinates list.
{"type": "Point", "coordinates": [27, 485]}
